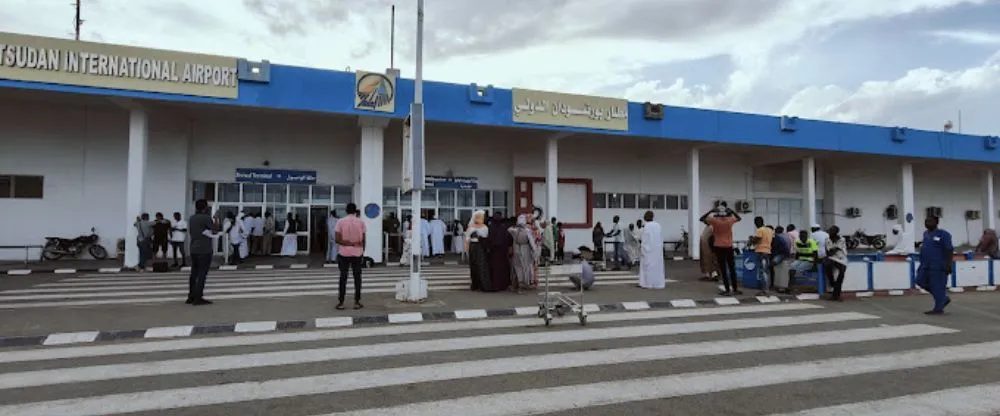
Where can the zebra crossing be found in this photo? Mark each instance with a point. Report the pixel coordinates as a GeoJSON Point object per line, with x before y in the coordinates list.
{"type": "Point", "coordinates": [142, 288]}
{"type": "Point", "coordinates": [732, 360]}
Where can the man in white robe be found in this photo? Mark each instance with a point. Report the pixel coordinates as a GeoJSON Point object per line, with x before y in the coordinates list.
{"type": "Point", "coordinates": [437, 230]}
{"type": "Point", "coordinates": [425, 233]}
{"type": "Point", "coordinates": [651, 272]}
{"type": "Point", "coordinates": [244, 235]}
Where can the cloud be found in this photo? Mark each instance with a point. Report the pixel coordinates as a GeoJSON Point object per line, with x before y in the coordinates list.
{"type": "Point", "coordinates": [967, 36]}
{"type": "Point", "coordinates": [921, 98]}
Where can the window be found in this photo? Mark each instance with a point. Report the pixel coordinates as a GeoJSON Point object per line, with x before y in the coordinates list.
{"type": "Point", "coordinates": [465, 198]}
{"type": "Point", "coordinates": [390, 197]}
{"type": "Point", "coordinates": [253, 192]}
{"type": "Point", "coordinates": [644, 201]}
{"type": "Point", "coordinates": [298, 194]}
{"type": "Point", "coordinates": [684, 202]}
{"type": "Point", "coordinates": [657, 202]}
{"type": "Point", "coordinates": [628, 201]}
{"type": "Point", "coordinates": [342, 194]}
{"type": "Point", "coordinates": [614, 201]}
{"type": "Point", "coordinates": [22, 186]}
{"type": "Point", "coordinates": [277, 194]}
{"type": "Point", "coordinates": [484, 199]}
{"type": "Point", "coordinates": [600, 200]}
{"type": "Point", "coordinates": [199, 190]}
{"type": "Point", "coordinates": [228, 192]}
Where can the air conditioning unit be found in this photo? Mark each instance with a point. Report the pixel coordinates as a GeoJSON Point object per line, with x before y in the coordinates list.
{"type": "Point", "coordinates": [853, 212]}
{"type": "Point", "coordinates": [934, 212]}
{"type": "Point", "coordinates": [743, 207]}
{"type": "Point", "coordinates": [719, 203]}
{"type": "Point", "coordinates": [652, 111]}
{"type": "Point", "coordinates": [891, 212]}
{"type": "Point", "coordinates": [973, 214]}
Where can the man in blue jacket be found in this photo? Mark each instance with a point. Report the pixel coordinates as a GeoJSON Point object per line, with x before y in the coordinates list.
{"type": "Point", "coordinates": [935, 264]}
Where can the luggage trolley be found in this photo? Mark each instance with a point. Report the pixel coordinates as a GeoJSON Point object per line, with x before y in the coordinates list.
{"type": "Point", "coordinates": [550, 302]}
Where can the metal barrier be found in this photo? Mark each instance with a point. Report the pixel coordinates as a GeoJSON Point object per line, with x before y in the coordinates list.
{"type": "Point", "coordinates": [27, 251]}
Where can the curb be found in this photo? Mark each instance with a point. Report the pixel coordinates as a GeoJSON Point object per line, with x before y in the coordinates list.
{"type": "Point", "coordinates": [182, 331]}
{"type": "Point", "coordinates": [112, 270]}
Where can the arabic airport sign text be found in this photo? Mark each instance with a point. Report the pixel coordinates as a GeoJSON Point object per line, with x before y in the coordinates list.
{"type": "Point", "coordinates": [569, 110]}
{"type": "Point", "coordinates": [253, 175]}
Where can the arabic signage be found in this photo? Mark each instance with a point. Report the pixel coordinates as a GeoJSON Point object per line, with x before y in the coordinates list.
{"type": "Point", "coordinates": [88, 64]}
{"type": "Point", "coordinates": [569, 110]}
{"type": "Point", "coordinates": [375, 92]}
{"type": "Point", "coordinates": [253, 175]}
{"type": "Point", "coordinates": [446, 182]}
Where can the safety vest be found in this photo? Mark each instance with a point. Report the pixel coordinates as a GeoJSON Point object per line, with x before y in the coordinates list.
{"type": "Point", "coordinates": [806, 249]}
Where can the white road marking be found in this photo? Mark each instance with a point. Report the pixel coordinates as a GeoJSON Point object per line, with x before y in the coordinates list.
{"type": "Point", "coordinates": [19, 272]}
{"type": "Point", "coordinates": [264, 267]}
{"type": "Point", "coordinates": [264, 326]}
{"type": "Point", "coordinates": [525, 310]}
{"type": "Point", "coordinates": [683, 303]}
{"type": "Point", "coordinates": [635, 306]}
{"type": "Point", "coordinates": [353, 333]}
{"type": "Point", "coordinates": [727, 301]}
{"type": "Point", "coordinates": [807, 296]}
{"type": "Point", "coordinates": [405, 318]}
{"type": "Point", "coordinates": [233, 362]}
{"type": "Point", "coordinates": [228, 267]}
{"type": "Point", "coordinates": [64, 271]}
{"type": "Point", "coordinates": [701, 382]}
{"type": "Point", "coordinates": [71, 338]}
{"type": "Point", "coordinates": [470, 314]}
{"type": "Point", "coordinates": [169, 331]}
{"type": "Point", "coordinates": [109, 270]}
{"type": "Point", "coordinates": [768, 299]}
{"type": "Point", "coordinates": [956, 289]}
{"type": "Point", "coordinates": [986, 288]}
{"type": "Point", "coordinates": [333, 322]}
{"type": "Point", "coordinates": [897, 292]}
{"type": "Point", "coordinates": [864, 294]}
{"type": "Point", "coordinates": [981, 400]}
{"type": "Point", "coordinates": [555, 399]}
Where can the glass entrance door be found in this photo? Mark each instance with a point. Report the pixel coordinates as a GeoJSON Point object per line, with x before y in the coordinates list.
{"type": "Point", "coordinates": [318, 233]}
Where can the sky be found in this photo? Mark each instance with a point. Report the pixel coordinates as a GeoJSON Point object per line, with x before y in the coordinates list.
{"type": "Point", "coordinates": [913, 63]}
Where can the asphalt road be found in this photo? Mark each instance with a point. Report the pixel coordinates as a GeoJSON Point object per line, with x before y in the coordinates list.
{"type": "Point", "coordinates": [872, 356]}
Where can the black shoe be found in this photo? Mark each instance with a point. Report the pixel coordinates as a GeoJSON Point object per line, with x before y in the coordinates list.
{"type": "Point", "coordinates": [358, 305]}
{"type": "Point", "coordinates": [340, 306]}
{"type": "Point", "coordinates": [189, 301]}
{"type": "Point", "coordinates": [934, 313]}
{"type": "Point", "coordinates": [737, 292]}
{"type": "Point", "coordinates": [198, 302]}
{"type": "Point", "coordinates": [946, 303]}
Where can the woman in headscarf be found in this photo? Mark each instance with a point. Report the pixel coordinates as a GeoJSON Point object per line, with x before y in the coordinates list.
{"type": "Point", "coordinates": [536, 233]}
{"type": "Point", "coordinates": [709, 267]}
{"type": "Point", "coordinates": [499, 255]}
{"type": "Point", "coordinates": [476, 240]}
{"type": "Point", "coordinates": [598, 237]}
{"type": "Point", "coordinates": [523, 259]}
{"type": "Point", "coordinates": [988, 244]}
{"type": "Point", "coordinates": [632, 244]}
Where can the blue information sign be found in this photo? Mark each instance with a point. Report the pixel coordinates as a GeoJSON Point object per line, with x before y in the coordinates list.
{"type": "Point", "coordinates": [372, 210]}
{"type": "Point", "coordinates": [454, 182]}
{"type": "Point", "coordinates": [254, 175]}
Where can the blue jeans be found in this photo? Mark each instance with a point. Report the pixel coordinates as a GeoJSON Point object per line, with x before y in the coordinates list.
{"type": "Point", "coordinates": [763, 264]}
{"type": "Point", "coordinates": [145, 253]}
{"type": "Point", "coordinates": [621, 256]}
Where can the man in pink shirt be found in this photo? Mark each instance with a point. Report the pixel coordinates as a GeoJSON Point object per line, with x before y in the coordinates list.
{"type": "Point", "coordinates": [350, 235]}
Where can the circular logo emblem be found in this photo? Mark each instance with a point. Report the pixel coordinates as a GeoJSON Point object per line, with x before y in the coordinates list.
{"type": "Point", "coordinates": [374, 91]}
{"type": "Point", "coordinates": [372, 211]}
{"type": "Point", "coordinates": [909, 217]}
{"type": "Point", "coordinates": [748, 263]}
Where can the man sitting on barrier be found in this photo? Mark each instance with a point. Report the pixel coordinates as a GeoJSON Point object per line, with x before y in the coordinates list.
{"type": "Point", "coordinates": [586, 276]}
{"type": "Point", "coordinates": [806, 252]}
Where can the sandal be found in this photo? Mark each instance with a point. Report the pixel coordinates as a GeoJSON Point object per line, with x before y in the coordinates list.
{"type": "Point", "coordinates": [340, 306]}
{"type": "Point", "coordinates": [358, 305]}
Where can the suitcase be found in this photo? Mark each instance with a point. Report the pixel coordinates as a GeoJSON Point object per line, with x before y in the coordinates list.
{"type": "Point", "coordinates": [160, 267]}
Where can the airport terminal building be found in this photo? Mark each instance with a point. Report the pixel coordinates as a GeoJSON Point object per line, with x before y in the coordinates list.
{"type": "Point", "coordinates": [93, 134]}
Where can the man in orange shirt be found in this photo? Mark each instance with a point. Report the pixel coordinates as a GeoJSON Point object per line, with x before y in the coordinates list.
{"type": "Point", "coordinates": [722, 219]}
{"type": "Point", "coordinates": [762, 248]}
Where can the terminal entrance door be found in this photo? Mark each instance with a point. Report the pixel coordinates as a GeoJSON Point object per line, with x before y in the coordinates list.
{"type": "Point", "coordinates": [318, 233]}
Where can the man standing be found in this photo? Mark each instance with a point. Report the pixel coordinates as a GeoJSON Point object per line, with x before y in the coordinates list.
{"type": "Point", "coordinates": [935, 264]}
{"type": "Point", "coordinates": [331, 226]}
{"type": "Point", "coordinates": [178, 234]}
{"type": "Point", "coordinates": [651, 273]}
{"type": "Point", "coordinates": [203, 232]}
{"type": "Point", "coordinates": [161, 235]}
{"type": "Point", "coordinates": [350, 235]}
{"type": "Point", "coordinates": [268, 237]}
{"type": "Point", "coordinates": [437, 229]}
{"type": "Point", "coordinates": [762, 248]}
{"type": "Point", "coordinates": [618, 242]}
{"type": "Point", "coordinates": [722, 219]}
{"type": "Point", "coordinates": [144, 240]}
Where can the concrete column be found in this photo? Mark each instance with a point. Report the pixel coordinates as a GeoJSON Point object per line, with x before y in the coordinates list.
{"type": "Point", "coordinates": [989, 207]}
{"type": "Point", "coordinates": [694, 204]}
{"type": "Point", "coordinates": [368, 186]}
{"type": "Point", "coordinates": [552, 183]}
{"type": "Point", "coordinates": [138, 140]}
{"type": "Point", "coordinates": [809, 192]}
{"type": "Point", "coordinates": [907, 205]}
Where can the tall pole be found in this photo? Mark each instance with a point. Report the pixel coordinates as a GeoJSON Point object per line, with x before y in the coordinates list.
{"type": "Point", "coordinates": [392, 37]}
{"type": "Point", "coordinates": [77, 22]}
{"type": "Point", "coordinates": [417, 239]}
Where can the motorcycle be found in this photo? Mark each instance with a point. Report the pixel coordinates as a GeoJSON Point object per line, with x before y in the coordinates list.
{"type": "Point", "coordinates": [57, 247]}
{"type": "Point", "coordinates": [860, 238]}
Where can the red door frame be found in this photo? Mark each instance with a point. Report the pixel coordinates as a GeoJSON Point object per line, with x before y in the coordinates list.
{"type": "Point", "coordinates": [524, 187]}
